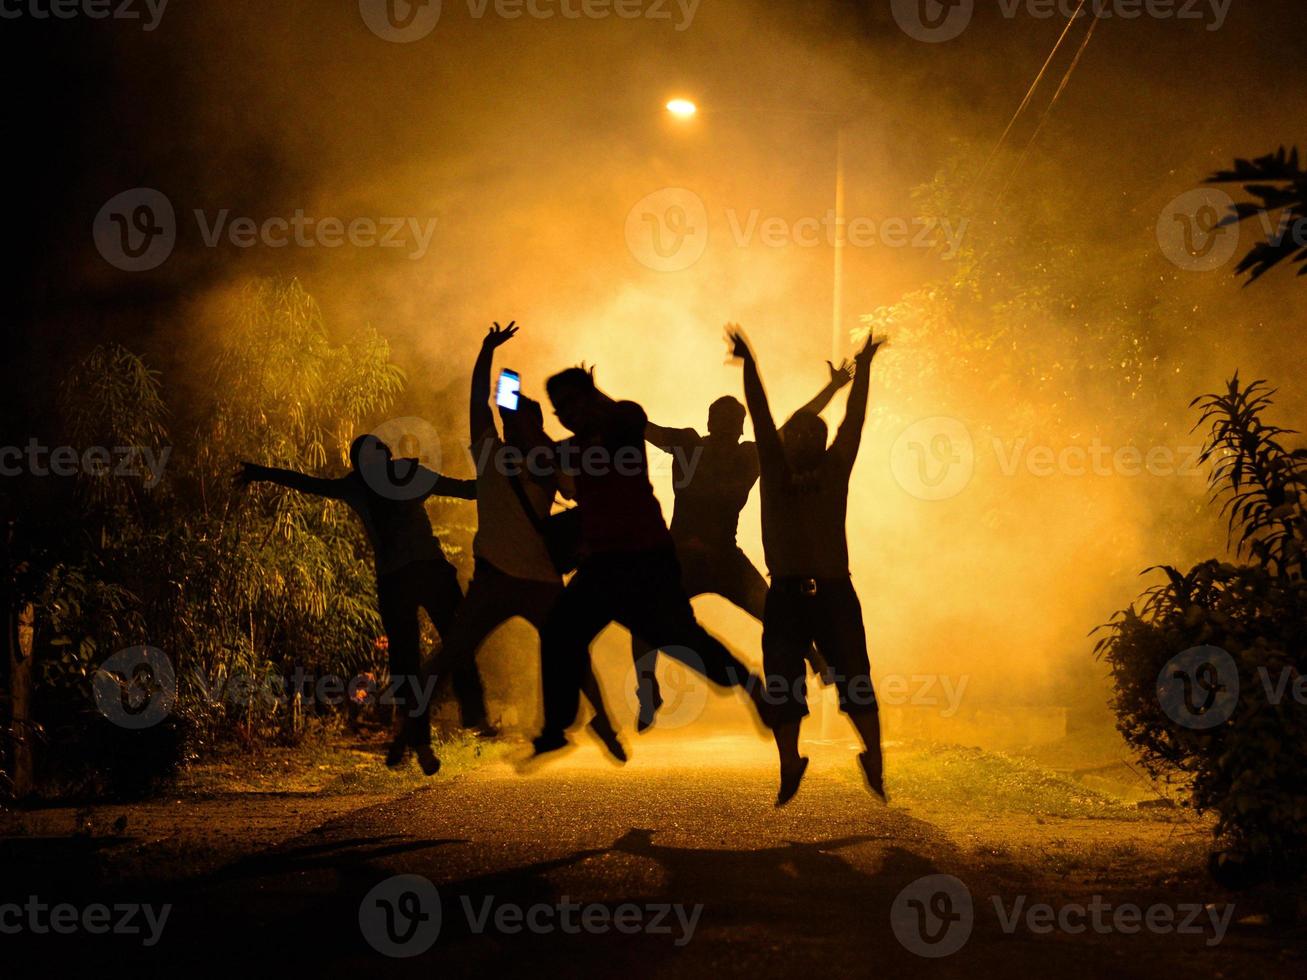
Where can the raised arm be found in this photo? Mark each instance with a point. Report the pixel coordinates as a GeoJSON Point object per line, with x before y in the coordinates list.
{"type": "Point", "coordinates": [316, 485]}
{"type": "Point", "coordinates": [479, 417]}
{"type": "Point", "coordinates": [849, 436]}
{"type": "Point", "coordinates": [670, 439]}
{"type": "Point", "coordinates": [839, 377]}
{"type": "Point", "coordinates": [755, 398]}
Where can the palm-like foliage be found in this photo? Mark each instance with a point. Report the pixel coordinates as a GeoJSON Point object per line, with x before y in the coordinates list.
{"type": "Point", "coordinates": [1248, 768]}
{"type": "Point", "coordinates": [112, 399]}
{"type": "Point", "coordinates": [1262, 484]}
{"type": "Point", "coordinates": [272, 577]}
{"type": "Point", "coordinates": [284, 395]}
{"type": "Point", "coordinates": [238, 588]}
{"type": "Point", "coordinates": [1280, 186]}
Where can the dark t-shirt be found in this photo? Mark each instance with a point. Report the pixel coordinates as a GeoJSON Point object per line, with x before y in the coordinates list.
{"type": "Point", "coordinates": [712, 482]}
{"type": "Point", "coordinates": [803, 516]}
{"type": "Point", "coordinates": [609, 474]}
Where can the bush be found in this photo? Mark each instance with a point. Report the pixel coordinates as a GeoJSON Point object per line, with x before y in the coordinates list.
{"type": "Point", "coordinates": [1229, 638]}
{"type": "Point", "coordinates": [241, 590]}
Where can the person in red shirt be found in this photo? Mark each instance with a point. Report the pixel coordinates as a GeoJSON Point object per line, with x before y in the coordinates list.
{"type": "Point", "coordinates": [628, 571]}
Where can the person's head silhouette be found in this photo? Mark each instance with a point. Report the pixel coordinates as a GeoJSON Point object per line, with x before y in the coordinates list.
{"type": "Point", "coordinates": [367, 452]}
{"type": "Point", "coordinates": [726, 419]}
{"type": "Point", "coordinates": [524, 429]}
{"type": "Point", "coordinates": [576, 400]}
{"type": "Point", "coordinates": [371, 459]}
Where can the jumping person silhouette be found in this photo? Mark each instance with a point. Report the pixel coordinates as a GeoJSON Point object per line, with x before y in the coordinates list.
{"type": "Point", "coordinates": [805, 488]}
{"type": "Point", "coordinates": [628, 571]}
{"type": "Point", "coordinates": [514, 574]}
{"type": "Point", "coordinates": [712, 477]}
{"type": "Point", "coordinates": [388, 496]}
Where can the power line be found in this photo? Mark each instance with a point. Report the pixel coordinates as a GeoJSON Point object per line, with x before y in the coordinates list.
{"type": "Point", "coordinates": [1030, 94]}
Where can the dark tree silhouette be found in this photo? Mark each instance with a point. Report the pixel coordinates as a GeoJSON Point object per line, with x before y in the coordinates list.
{"type": "Point", "coordinates": [1280, 185]}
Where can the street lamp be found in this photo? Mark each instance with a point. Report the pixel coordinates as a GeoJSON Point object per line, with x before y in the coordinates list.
{"type": "Point", "coordinates": [684, 109]}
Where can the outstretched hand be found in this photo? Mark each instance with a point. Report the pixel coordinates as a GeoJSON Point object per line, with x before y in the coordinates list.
{"type": "Point", "coordinates": [739, 345]}
{"type": "Point", "coordinates": [842, 375]}
{"type": "Point", "coordinates": [244, 476]}
{"type": "Point", "coordinates": [874, 343]}
{"type": "Point", "coordinates": [498, 336]}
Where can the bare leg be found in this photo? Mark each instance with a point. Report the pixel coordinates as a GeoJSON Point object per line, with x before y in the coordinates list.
{"type": "Point", "coordinates": [793, 765]}
{"type": "Point", "coordinates": [601, 724]}
{"type": "Point", "coordinates": [787, 744]}
{"type": "Point", "coordinates": [646, 682]}
{"type": "Point", "coordinates": [873, 764]}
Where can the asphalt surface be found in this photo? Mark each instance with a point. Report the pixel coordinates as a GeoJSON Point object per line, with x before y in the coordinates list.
{"type": "Point", "coordinates": [674, 865]}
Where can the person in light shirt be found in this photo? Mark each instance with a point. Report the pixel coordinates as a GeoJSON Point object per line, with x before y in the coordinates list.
{"type": "Point", "coordinates": [514, 573]}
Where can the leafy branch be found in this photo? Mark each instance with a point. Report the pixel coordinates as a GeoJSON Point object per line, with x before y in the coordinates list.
{"type": "Point", "coordinates": [1279, 184]}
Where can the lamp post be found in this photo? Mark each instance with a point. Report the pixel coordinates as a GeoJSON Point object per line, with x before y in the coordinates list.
{"type": "Point", "coordinates": [685, 109]}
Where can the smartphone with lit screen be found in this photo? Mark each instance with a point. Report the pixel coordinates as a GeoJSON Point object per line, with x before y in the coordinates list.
{"type": "Point", "coordinates": [508, 390]}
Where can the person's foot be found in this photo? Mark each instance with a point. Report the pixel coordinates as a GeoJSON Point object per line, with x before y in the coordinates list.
{"type": "Point", "coordinates": [609, 737]}
{"type": "Point", "coordinates": [651, 699]}
{"type": "Point", "coordinates": [873, 768]}
{"type": "Point", "coordinates": [791, 777]}
{"type": "Point", "coordinates": [427, 760]}
{"type": "Point", "coordinates": [547, 742]}
{"type": "Point", "coordinates": [395, 753]}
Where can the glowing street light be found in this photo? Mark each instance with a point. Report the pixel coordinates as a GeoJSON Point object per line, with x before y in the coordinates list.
{"type": "Point", "coordinates": [685, 109]}
{"type": "Point", "coordinates": [682, 108]}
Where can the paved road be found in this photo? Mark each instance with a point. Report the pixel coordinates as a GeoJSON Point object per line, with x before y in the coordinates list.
{"type": "Point", "coordinates": [676, 865]}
